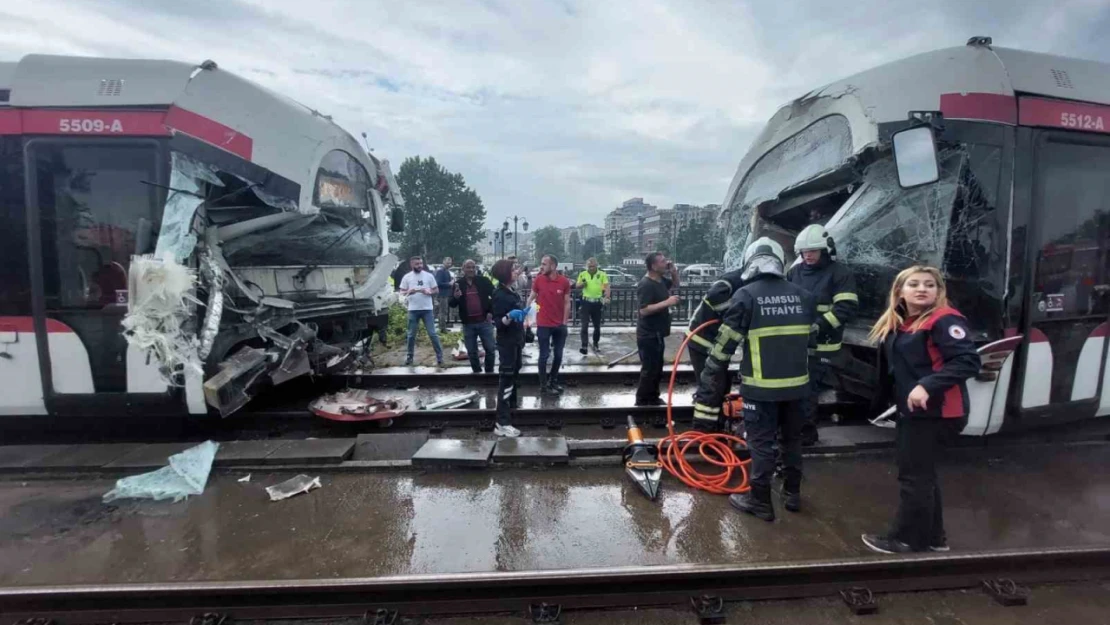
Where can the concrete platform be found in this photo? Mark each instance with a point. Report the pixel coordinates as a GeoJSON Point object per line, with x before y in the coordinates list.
{"type": "Point", "coordinates": [86, 457]}
{"type": "Point", "coordinates": [448, 452]}
{"type": "Point", "coordinates": [532, 450]}
{"type": "Point", "coordinates": [390, 446]}
{"type": "Point", "coordinates": [242, 453]}
{"type": "Point", "coordinates": [316, 451]}
{"type": "Point", "coordinates": [57, 531]}
{"type": "Point", "coordinates": [19, 456]}
{"type": "Point", "coordinates": [150, 456]}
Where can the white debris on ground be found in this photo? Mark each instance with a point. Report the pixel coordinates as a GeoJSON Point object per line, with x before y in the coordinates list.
{"type": "Point", "coordinates": [293, 486]}
{"type": "Point", "coordinates": [245, 478]}
{"type": "Point", "coordinates": [186, 474]}
{"type": "Point", "coordinates": [160, 304]}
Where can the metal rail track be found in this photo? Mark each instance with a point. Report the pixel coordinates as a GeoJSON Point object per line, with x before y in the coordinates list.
{"type": "Point", "coordinates": [583, 589]}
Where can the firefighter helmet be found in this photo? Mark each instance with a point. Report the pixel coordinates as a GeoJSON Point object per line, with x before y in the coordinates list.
{"type": "Point", "coordinates": [763, 246]}
{"type": "Point", "coordinates": [814, 237]}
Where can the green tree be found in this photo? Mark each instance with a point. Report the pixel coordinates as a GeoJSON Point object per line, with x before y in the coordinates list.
{"type": "Point", "coordinates": [547, 240]}
{"type": "Point", "coordinates": [700, 242]}
{"type": "Point", "coordinates": [593, 247]}
{"type": "Point", "coordinates": [622, 249]}
{"type": "Point", "coordinates": [444, 217]}
{"type": "Point", "coordinates": [574, 247]}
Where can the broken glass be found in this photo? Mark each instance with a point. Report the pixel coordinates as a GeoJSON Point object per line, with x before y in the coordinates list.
{"type": "Point", "coordinates": [822, 147]}
{"type": "Point", "coordinates": [177, 238]}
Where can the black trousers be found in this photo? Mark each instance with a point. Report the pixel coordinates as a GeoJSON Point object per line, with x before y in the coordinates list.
{"type": "Point", "coordinates": [764, 420]}
{"type": "Point", "coordinates": [591, 313]}
{"type": "Point", "coordinates": [510, 357]}
{"type": "Point", "coordinates": [651, 366]}
{"type": "Point", "coordinates": [919, 442]}
{"type": "Point", "coordinates": [697, 360]}
{"type": "Point", "coordinates": [818, 365]}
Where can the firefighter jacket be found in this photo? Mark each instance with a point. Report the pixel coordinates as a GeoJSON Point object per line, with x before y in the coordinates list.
{"type": "Point", "coordinates": [939, 356]}
{"type": "Point", "coordinates": [773, 319]}
{"type": "Point", "coordinates": [712, 306]}
{"type": "Point", "coordinates": [834, 290]}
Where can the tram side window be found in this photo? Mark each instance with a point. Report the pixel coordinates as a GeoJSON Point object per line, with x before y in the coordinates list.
{"type": "Point", "coordinates": [15, 281]}
{"type": "Point", "coordinates": [1073, 277]}
{"type": "Point", "coordinates": [96, 210]}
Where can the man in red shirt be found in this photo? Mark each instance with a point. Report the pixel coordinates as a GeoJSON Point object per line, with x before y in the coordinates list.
{"type": "Point", "coordinates": [552, 291]}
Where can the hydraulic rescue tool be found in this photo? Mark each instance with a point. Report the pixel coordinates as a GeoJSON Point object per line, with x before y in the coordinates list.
{"type": "Point", "coordinates": [641, 461]}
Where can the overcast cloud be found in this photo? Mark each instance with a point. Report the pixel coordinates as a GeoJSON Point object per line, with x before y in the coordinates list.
{"type": "Point", "coordinates": [556, 111]}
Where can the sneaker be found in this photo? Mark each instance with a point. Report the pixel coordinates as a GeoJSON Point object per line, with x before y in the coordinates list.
{"type": "Point", "coordinates": [582, 350]}
{"type": "Point", "coordinates": [885, 544]}
{"type": "Point", "coordinates": [506, 430]}
{"type": "Point", "coordinates": [439, 364]}
{"type": "Point", "coordinates": [940, 545]}
{"type": "Point", "coordinates": [408, 362]}
{"type": "Point", "coordinates": [550, 389]}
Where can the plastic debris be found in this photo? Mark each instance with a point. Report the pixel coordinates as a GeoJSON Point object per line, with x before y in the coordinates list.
{"type": "Point", "coordinates": [186, 474]}
{"type": "Point", "coordinates": [454, 401]}
{"type": "Point", "coordinates": [355, 405]}
{"type": "Point", "coordinates": [460, 352]}
{"type": "Point", "coordinates": [159, 304]}
{"type": "Point", "coordinates": [414, 389]}
{"type": "Point", "coordinates": [245, 478]}
{"type": "Point", "coordinates": [293, 486]}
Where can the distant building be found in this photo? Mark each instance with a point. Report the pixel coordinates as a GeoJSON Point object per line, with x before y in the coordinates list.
{"type": "Point", "coordinates": [626, 220]}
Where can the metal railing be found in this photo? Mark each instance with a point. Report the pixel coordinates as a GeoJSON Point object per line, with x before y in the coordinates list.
{"type": "Point", "coordinates": [624, 306]}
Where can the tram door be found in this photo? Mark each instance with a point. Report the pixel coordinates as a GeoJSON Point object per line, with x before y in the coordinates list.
{"type": "Point", "coordinates": [93, 203]}
{"type": "Point", "coordinates": [1069, 296]}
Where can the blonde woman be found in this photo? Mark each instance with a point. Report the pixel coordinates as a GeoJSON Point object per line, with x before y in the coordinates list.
{"type": "Point", "coordinates": [928, 359]}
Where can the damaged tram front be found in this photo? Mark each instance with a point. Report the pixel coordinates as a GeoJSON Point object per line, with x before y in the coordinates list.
{"type": "Point", "coordinates": [177, 238]}
{"type": "Point", "coordinates": [1015, 209]}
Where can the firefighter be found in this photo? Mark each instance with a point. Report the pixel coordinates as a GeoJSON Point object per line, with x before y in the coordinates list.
{"type": "Point", "coordinates": [774, 320]}
{"type": "Point", "coordinates": [834, 291]}
{"type": "Point", "coordinates": [712, 306]}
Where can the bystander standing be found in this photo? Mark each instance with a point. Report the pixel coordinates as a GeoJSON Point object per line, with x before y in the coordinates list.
{"type": "Point", "coordinates": [419, 287]}
{"type": "Point", "coordinates": [552, 291]}
{"type": "Point", "coordinates": [595, 296]}
{"type": "Point", "coordinates": [654, 325]}
{"type": "Point", "coordinates": [444, 280]}
{"type": "Point", "coordinates": [472, 296]}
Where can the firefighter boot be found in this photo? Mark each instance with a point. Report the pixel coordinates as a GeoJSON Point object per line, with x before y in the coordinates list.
{"type": "Point", "coordinates": [755, 503]}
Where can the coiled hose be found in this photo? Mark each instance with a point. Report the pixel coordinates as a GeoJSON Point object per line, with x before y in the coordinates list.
{"type": "Point", "coordinates": [716, 448]}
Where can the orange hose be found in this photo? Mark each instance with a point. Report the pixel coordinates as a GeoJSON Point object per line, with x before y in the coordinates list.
{"type": "Point", "coordinates": [715, 448]}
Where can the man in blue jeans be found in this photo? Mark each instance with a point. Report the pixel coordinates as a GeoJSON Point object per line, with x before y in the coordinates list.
{"type": "Point", "coordinates": [420, 287]}
{"type": "Point", "coordinates": [472, 296]}
{"type": "Point", "coordinates": [552, 291]}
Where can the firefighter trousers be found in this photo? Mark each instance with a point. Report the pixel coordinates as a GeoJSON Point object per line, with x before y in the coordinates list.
{"type": "Point", "coordinates": [763, 422]}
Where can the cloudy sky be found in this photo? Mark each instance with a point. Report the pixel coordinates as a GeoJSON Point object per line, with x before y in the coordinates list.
{"type": "Point", "coordinates": [556, 111]}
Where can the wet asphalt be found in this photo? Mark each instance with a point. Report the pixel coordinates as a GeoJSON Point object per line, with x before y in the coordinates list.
{"type": "Point", "coordinates": [57, 531]}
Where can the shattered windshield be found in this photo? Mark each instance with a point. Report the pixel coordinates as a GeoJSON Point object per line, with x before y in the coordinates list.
{"type": "Point", "coordinates": [944, 224]}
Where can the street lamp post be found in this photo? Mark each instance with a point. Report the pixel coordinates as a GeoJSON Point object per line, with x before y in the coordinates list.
{"type": "Point", "coordinates": [516, 235]}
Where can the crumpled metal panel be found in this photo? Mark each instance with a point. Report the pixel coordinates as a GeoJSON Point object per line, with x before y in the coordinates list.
{"type": "Point", "coordinates": [822, 147]}
{"type": "Point", "coordinates": [214, 278]}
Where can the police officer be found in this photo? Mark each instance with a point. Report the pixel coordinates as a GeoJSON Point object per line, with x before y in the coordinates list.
{"type": "Point", "coordinates": [834, 290]}
{"type": "Point", "coordinates": [774, 320]}
{"type": "Point", "coordinates": [712, 306]}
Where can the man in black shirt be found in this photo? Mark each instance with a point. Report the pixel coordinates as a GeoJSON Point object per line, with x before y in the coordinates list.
{"type": "Point", "coordinates": [654, 325]}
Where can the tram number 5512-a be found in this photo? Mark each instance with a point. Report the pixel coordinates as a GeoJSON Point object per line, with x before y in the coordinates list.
{"type": "Point", "coordinates": [1082, 122]}
{"type": "Point", "coordinates": [90, 126]}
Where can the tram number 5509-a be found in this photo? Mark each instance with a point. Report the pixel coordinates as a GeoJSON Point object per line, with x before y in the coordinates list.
{"type": "Point", "coordinates": [90, 126]}
{"type": "Point", "coordinates": [1082, 122]}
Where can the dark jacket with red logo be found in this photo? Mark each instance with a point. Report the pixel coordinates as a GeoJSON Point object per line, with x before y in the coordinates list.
{"type": "Point", "coordinates": [940, 357]}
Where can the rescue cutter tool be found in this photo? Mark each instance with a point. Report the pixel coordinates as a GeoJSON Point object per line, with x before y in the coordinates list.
{"type": "Point", "coordinates": [641, 461]}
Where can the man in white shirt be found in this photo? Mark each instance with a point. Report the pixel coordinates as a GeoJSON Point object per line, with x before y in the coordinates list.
{"type": "Point", "coordinates": [419, 286]}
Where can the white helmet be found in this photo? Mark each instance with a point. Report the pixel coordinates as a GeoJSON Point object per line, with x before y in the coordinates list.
{"type": "Point", "coordinates": [814, 237]}
{"type": "Point", "coordinates": [764, 255]}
